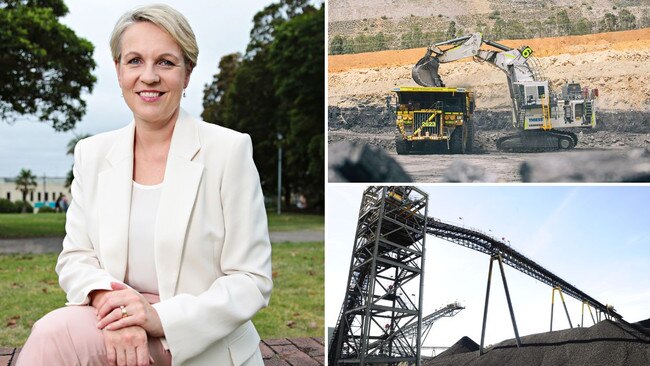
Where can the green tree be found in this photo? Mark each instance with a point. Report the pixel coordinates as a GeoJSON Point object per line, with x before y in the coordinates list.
{"type": "Point", "coordinates": [44, 66]}
{"type": "Point", "coordinates": [534, 28]}
{"type": "Point", "coordinates": [550, 26]}
{"type": "Point", "coordinates": [482, 27]}
{"type": "Point", "coordinates": [563, 22]}
{"type": "Point", "coordinates": [451, 30]}
{"type": "Point", "coordinates": [626, 19]}
{"type": "Point", "coordinates": [361, 43]}
{"type": "Point", "coordinates": [413, 38]}
{"type": "Point", "coordinates": [269, 92]}
{"type": "Point", "coordinates": [582, 26]}
{"type": "Point", "coordinates": [266, 21]}
{"type": "Point", "coordinates": [251, 106]}
{"type": "Point", "coordinates": [297, 61]}
{"type": "Point", "coordinates": [25, 183]}
{"type": "Point", "coordinates": [70, 151]}
{"type": "Point", "coordinates": [499, 29]}
{"type": "Point", "coordinates": [515, 29]}
{"type": "Point", "coordinates": [379, 42]}
{"type": "Point", "coordinates": [609, 23]}
{"type": "Point", "coordinates": [214, 92]}
{"type": "Point", "coordinates": [337, 45]}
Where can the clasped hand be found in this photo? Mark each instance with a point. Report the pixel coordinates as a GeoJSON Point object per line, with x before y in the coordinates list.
{"type": "Point", "coordinates": [137, 311]}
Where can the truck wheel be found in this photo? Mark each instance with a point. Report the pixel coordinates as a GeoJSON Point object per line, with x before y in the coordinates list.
{"type": "Point", "coordinates": [458, 143]}
{"type": "Point", "coordinates": [402, 146]}
{"type": "Point", "coordinates": [470, 136]}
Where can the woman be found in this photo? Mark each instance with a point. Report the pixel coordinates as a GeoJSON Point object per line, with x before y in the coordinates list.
{"type": "Point", "coordinates": [166, 256]}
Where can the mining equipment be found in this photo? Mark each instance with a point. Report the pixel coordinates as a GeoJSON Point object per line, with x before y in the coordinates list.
{"type": "Point", "coordinates": [544, 118]}
{"type": "Point", "coordinates": [379, 323]}
{"type": "Point", "coordinates": [433, 119]}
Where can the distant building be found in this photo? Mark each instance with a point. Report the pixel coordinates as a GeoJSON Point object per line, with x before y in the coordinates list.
{"type": "Point", "coordinates": [46, 192]}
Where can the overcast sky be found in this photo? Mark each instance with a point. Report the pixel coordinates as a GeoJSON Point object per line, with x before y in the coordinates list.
{"type": "Point", "coordinates": [596, 238]}
{"type": "Point", "coordinates": [221, 27]}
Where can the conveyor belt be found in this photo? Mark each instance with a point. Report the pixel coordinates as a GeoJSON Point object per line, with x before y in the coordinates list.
{"type": "Point", "coordinates": [486, 244]}
{"type": "Point", "coordinates": [410, 330]}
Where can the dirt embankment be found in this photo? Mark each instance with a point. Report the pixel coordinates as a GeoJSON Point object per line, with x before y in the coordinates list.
{"type": "Point", "coordinates": [616, 63]}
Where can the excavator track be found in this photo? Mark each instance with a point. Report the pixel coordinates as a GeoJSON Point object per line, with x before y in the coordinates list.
{"type": "Point", "coordinates": [538, 141]}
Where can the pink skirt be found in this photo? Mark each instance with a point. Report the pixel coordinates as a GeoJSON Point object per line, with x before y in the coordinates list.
{"type": "Point", "coordinates": [69, 336]}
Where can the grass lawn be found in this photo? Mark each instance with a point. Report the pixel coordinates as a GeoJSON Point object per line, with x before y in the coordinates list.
{"type": "Point", "coordinates": [53, 224]}
{"type": "Point", "coordinates": [32, 225]}
{"type": "Point", "coordinates": [30, 290]}
{"type": "Point", "coordinates": [297, 302]}
{"type": "Point", "coordinates": [294, 222]}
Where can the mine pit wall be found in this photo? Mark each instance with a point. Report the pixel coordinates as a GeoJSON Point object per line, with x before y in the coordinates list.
{"type": "Point", "coordinates": [371, 118]}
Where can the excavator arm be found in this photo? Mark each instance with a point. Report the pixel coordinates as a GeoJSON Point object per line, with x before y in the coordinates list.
{"type": "Point", "coordinates": [517, 64]}
{"type": "Point", "coordinates": [513, 62]}
{"type": "Point", "coordinates": [542, 116]}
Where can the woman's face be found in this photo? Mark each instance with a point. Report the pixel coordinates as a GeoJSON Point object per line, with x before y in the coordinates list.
{"type": "Point", "coordinates": [151, 72]}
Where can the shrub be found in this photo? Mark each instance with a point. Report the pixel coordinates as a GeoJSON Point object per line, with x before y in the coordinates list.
{"type": "Point", "coordinates": [45, 209]}
{"type": "Point", "coordinates": [19, 206]}
{"type": "Point", "coordinates": [7, 206]}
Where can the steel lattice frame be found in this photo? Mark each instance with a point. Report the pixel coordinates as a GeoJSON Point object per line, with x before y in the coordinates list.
{"type": "Point", "coordinates": [484, 243]}
{"type": "Point", "coordinates": [388, 254]}
{"type": "Point", "coordinates": [389, 239]}
{"type": "Point", "coordinates": [410, 331]}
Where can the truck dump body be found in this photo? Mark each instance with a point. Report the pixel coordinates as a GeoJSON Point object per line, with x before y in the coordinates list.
{"type": "Point", "coordinates": [433, 117]}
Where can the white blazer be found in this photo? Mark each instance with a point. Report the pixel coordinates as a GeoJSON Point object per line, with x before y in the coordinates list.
{"type": "Point", "coordinates": [211, 244]}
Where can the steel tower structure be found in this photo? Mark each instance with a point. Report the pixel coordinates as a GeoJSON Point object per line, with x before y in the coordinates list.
{"type": "Point", "coordinates": [387, 264]}
{"type": "Point", "coordinates": [411, 331]}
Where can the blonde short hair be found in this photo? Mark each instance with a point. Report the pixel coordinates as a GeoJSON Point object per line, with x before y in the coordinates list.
{"type": "Point", "coordinates": [167, 18]}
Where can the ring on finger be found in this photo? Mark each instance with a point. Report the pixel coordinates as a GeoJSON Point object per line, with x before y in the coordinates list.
{"type": "Point", "coordinates": [123, 310]}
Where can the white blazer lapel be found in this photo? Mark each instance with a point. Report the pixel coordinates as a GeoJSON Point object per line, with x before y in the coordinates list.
{"type": "Point", "coordinates": [181, 184]}
{"type": "Point", "coordinates": [114, 192]}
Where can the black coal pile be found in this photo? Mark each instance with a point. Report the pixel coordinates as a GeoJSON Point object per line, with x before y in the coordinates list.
{"type": "Point", "coordinates": [592, 166]}
{"type": "Point", "coordinates": [607, 343]}
{"type": "Point", "coordinates": [464, 345]}
{"type": "Point", "coordinates": [351, 162]}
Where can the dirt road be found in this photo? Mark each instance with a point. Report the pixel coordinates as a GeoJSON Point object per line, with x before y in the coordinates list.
{"type": "Point", "coordinates": [489, 164]}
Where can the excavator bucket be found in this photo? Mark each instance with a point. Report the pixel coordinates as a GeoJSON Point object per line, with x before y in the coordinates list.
{"type": "Point", "coordinates": [425, 72]}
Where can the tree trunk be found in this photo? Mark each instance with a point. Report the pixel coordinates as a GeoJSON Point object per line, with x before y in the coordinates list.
{"type": "Point", "coordinates": [287, 195]}
{"type": "Point", "coordinates": [24, 209]}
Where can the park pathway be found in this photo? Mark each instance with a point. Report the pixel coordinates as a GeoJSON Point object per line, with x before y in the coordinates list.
{"type": "Point", "coordinates": [53, 245]}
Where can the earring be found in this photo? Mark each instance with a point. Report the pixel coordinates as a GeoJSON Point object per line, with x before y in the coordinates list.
{"type": "Point", "coordinates": [184, 93]}
{"type": "Point", "coordinates": [122, 95]}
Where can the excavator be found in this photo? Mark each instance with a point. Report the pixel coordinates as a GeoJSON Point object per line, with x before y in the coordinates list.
{"type": "Point", "coordinates": [544, 118]}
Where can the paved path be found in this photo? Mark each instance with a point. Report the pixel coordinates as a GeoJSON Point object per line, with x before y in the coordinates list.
{"type": "Point", "coordinates": [275, 352]}
{"type": "Point", "coordinates": [304, 236]}
{"type": "Point", "coordinates": [53, 245]}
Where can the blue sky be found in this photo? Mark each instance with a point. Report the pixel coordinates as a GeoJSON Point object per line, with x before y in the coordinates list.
{"type": "Point", "coordinates": [220, 27]}
{"type": "Point", "coordinates": [595, 237]}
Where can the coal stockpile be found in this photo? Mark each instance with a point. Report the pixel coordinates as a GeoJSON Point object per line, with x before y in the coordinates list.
{"type": "Point", "coordinates": [607, 343]}
{"type": "Point", "coordinates": [464, 345]}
